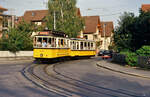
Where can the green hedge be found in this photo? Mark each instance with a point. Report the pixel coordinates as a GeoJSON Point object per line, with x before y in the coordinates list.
{"type": "Point", "coordinates": [131, 58]}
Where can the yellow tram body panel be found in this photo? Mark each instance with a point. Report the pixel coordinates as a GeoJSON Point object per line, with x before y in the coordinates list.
{"type": "Point", "coordinates": [51, 52]}
{"type": "Point", "coordinates": [82, 53]}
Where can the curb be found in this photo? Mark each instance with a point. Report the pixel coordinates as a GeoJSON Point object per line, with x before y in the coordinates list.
{"type": "Point", "coordinates": [127, 73]}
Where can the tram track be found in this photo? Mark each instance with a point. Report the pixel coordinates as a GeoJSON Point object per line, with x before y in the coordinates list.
{"type": "Point", "coordinates": [60, 84]}
{"type": "Point", "coordinates": [28, 73]}
{"type": "Point", "coordinates": [84, 84]}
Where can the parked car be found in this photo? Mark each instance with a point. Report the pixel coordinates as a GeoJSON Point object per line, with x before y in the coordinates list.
{"type": "Point", "coordinates": [100, 53]}
{"type": "Point", "coordinates": [107, 54]}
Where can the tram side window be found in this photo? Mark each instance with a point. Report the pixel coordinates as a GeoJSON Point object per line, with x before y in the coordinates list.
{"type": "Point", "coordinates": [49, 44]}
{"type": "Point", "coordinates": [81, 45]}
{"type": "Point", "coordinates": [85, 45]}
{"type": "Point", "coordinates": [65, 45]}
{"type": "Point", "coordinates": [71, 44]}
{"type": "Point", "coordinates": [92, 46]}
{"type": "Point", "coordinates": [39, 42]}
{"type": "Point", "coordinates": [59, 43]}
{"type": "Point", "coordinates": [74, 45]}
{"type": "Point", "coordinates": [77, 45]}
{"type": "Point", "coordinates": [68, 43]}
{"type": "Point", "coordinates": [53, 42]}
{"type": "Point", "coordinates": [88, 45]}
{"type": "Point", "coordinates": [62, 43]}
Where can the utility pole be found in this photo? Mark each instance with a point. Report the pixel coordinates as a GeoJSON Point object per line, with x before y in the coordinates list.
{"type": "Point", "coordinates": [104, 36]}
{"type": "Point", "coordinates": [54, 20]}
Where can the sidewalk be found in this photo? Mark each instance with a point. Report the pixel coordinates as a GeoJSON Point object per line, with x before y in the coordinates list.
{"type": "Point", "coordinates": [124, 69]}
{"type": "Point", "coordinates": [15, 58]}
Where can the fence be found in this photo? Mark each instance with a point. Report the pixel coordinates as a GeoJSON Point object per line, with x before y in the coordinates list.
{"type": "Point", "coordinates": [21, 54]}
{"type": "Point", "coordinates": [119, 58]}
{"type": "Point", "coordinates": [144, 61]}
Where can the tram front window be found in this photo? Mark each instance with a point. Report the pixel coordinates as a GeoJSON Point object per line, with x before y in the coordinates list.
{"type": "Point", "coordinates": [44, 42]}
{"type": "Point", "coordinates": [39, 42]}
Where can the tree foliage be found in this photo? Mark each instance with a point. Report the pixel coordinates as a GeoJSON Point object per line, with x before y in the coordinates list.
{"type": "Point", "coordinates": [66, 18]}
{"type": "Point", "coordinates": [18, 38]}
{"type": "Point", "coordinates": [132, 32]}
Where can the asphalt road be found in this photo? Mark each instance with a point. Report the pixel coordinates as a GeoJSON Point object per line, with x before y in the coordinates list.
{"type": "Point", "coordinates": [14, 84]}
{"type": "Point", "coordinates": [80, 78]}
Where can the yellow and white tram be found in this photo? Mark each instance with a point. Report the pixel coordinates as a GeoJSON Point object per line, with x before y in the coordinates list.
{"type": "Point", "coordinates": [53, 45]}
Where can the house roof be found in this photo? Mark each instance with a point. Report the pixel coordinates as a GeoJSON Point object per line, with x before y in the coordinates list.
{"type": "Point", "coordinates": [91, 22]}
{"type": "Point", "coordinates": [37, 15]}
{"type": "Point", "coordinates": [107, 27]}
{"type": "Point", "coordinates": [34, 15]}
{"type": "Point", "coordinates": [145, 7]}
{"type": "Point", "coordinates": [3, 9]}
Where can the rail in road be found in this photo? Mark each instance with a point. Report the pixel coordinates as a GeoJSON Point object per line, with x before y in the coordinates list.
{"type": "Point", "coordinates": [47, 77]}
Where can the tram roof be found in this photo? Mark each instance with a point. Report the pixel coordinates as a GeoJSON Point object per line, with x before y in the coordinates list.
{"type": "Point", "coordinates": [81, 39]}
{"type": "Point", "coordinates": [52, 33]}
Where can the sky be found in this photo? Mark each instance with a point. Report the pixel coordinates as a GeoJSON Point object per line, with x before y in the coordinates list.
{"type": "Point", "coordinates": [108, 10]}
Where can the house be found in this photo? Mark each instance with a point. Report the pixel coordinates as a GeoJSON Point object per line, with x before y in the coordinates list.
{"type": "Point", "coordinates": [106, 35]}
{"type": "Point", "coordinates": [1, 19]}
{"type": "Point", "coordinates": [34, 16]}
{"type": "Point", "coordinates": [37, 16]}
{"type": "Point", "coordinates": [145, 7]}
{"type": "Point", "coordinates": [92, 28]}
{"type": "Point", "coordinates": [6, 21]}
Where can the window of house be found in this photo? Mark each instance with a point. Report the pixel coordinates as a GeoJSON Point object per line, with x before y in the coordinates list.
{"type": "Point", "coordinates": [33, 14]}
{"type": "Point", "coordinates": [86, 37]}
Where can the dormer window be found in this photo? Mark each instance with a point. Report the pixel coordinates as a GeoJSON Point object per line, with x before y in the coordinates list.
{"type": "Point", "coordinates": [33, 14]}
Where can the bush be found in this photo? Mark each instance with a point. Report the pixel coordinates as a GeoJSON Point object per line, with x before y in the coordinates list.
{"type": "Point", "coordinates": [144, 51]}
{"type": "Point", "coordinates": [131, 58]}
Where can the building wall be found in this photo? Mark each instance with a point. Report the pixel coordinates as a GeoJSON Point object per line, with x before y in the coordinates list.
{"type": "Point", "coordinates": [1, 21]}
{"type": "Point", "coordinates": [89, 36]}
{"type": "Point", "coordinates": [106, 42]}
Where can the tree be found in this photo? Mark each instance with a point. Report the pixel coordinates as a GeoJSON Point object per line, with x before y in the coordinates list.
{"type": "Point", "coordinates": [123, 33]}
{"type": "Point", "coordinates": [133, 32]}
{"type": "Point", "coordinates": [18, 38]}
{"type": "Point", "coordinates": [141, 35]}
{"type": "Point", "coordinates": [63, 17]}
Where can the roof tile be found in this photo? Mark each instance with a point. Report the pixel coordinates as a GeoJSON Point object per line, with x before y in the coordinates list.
{"type": "Point", "coordinates": [145, 7]}
{"type": "Point", "coordinates": [91, 22]}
